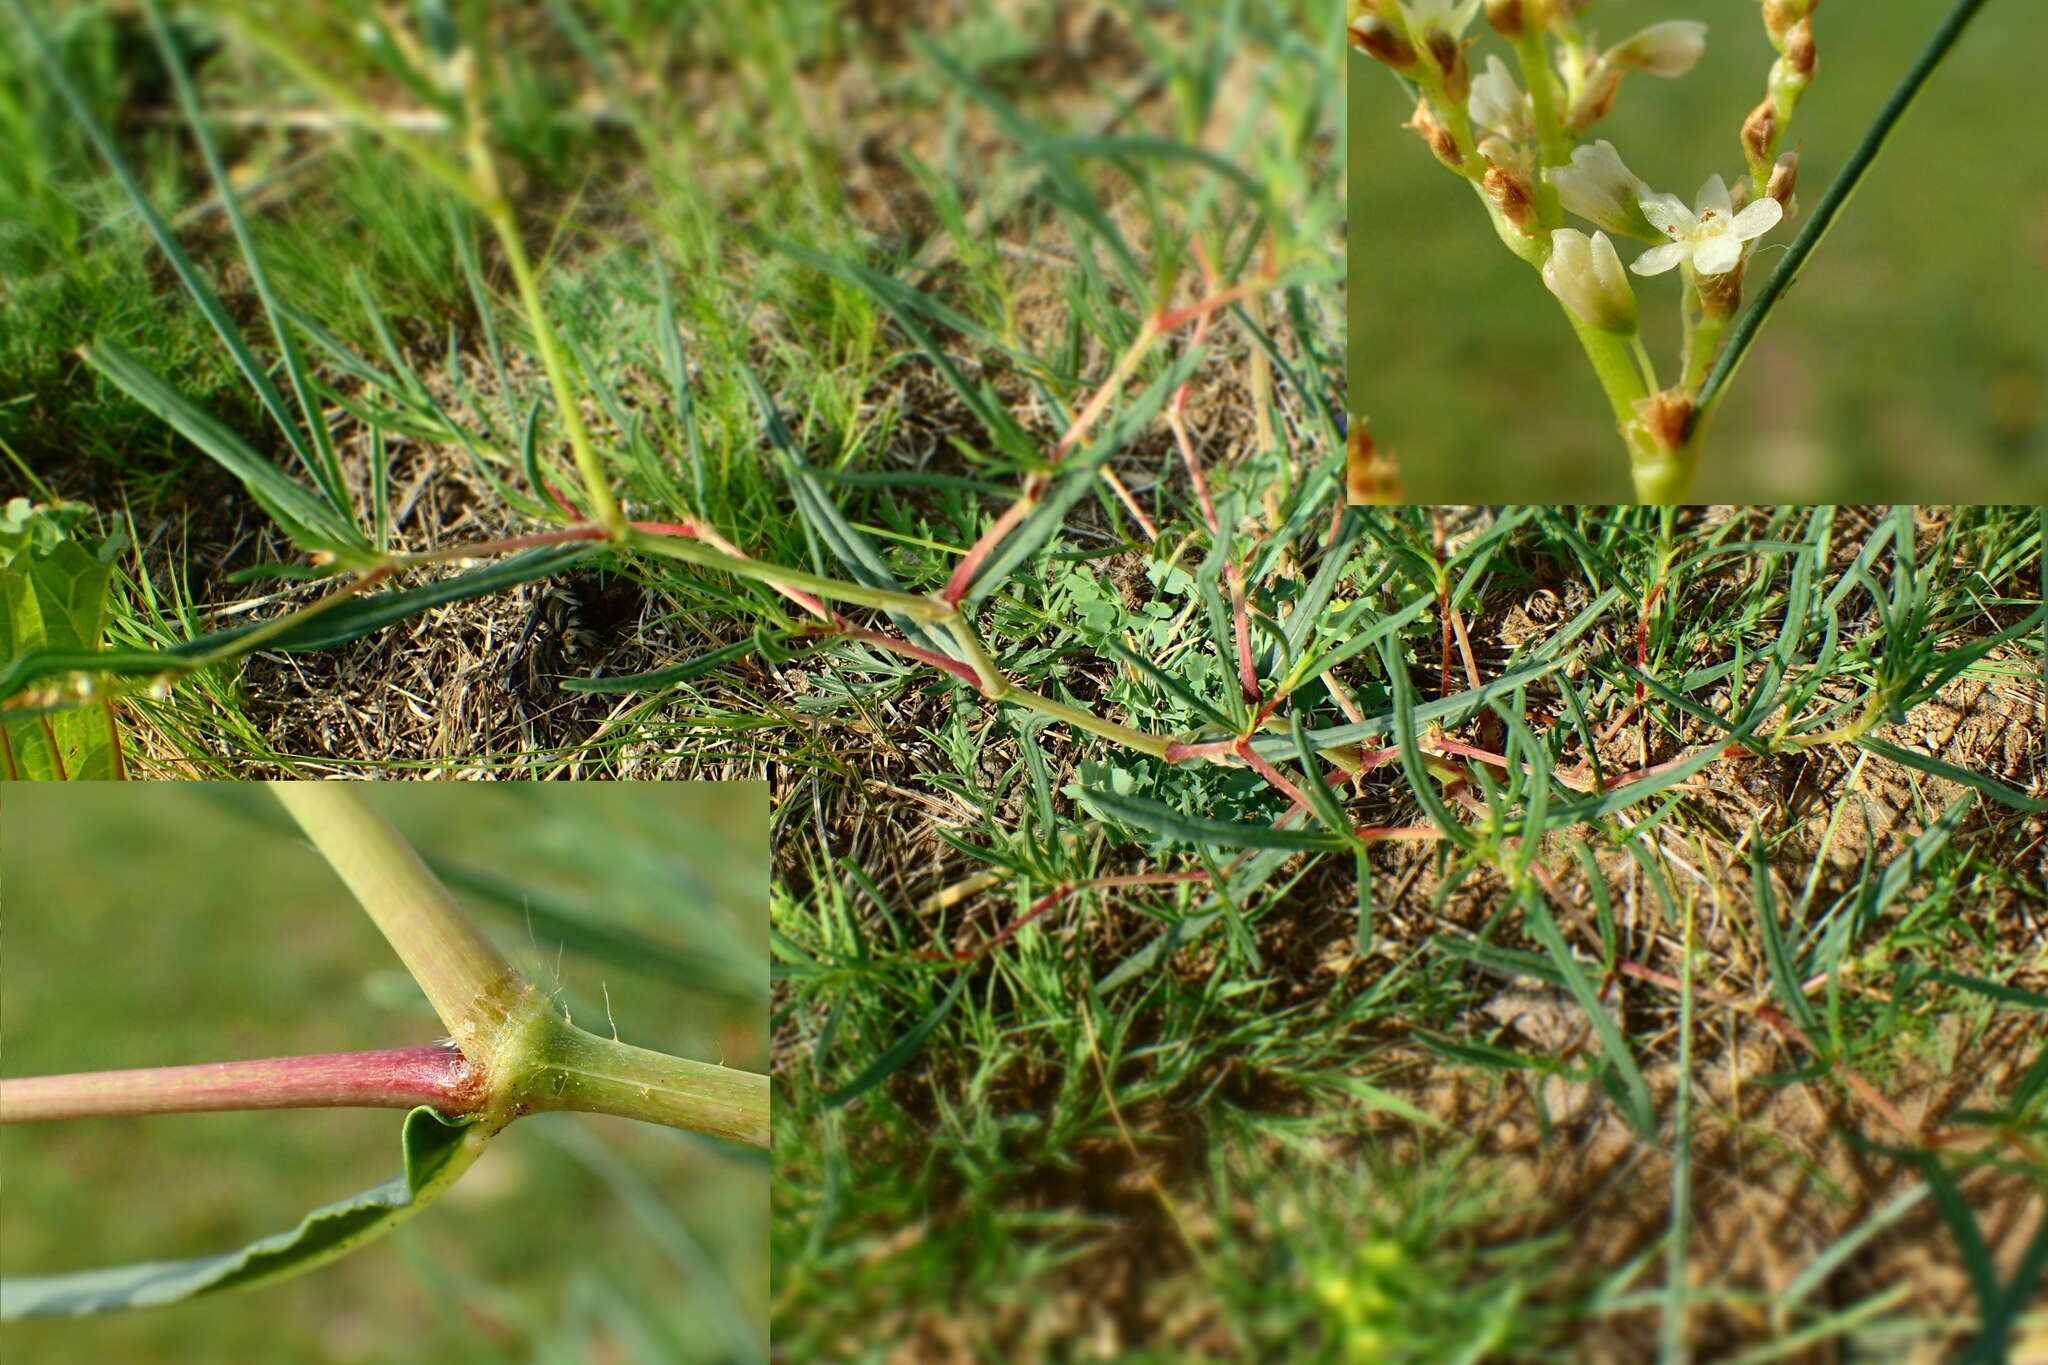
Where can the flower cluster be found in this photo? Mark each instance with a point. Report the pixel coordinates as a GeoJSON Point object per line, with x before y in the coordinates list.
{"type": "Point", "coordinates": [1517, 131]}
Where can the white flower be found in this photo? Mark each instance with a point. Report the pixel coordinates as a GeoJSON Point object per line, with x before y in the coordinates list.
{"type": "Point", "coordinates": [1711, 234]}
{"type": "Point", "coordinates": [1587, 275]}
{"type": "Point", "coordinates": [1452, 16]}
{"type": "Point", "coordinates": [1666, 49]}
{"type": "Point", "coordinates": [1499, 104]}
{"type": "Point", "coordinates": [1600, 189]}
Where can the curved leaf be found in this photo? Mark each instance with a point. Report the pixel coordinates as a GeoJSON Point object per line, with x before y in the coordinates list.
{"type": "Point", "coordinates": [436, 1151]}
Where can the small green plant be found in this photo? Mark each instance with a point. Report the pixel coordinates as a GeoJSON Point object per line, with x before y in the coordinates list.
{"type": "Point", "coordinates": [510, 1051]}
{"type": "Point", "coordinates": [1523, 139]}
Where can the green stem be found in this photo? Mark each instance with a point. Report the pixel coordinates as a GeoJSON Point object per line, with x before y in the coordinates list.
{"type": "Point", "coordinates": [1555, 142]}
{"type": "Point", "coordinates": [471, 985]}
{"type": "Point", "coordinates": [478, 188]}
{"type": "Point", "coordinates": [568, 401]}
{"type": "Point", "coordinates": [1085, 720]}
{"type": "Point", "coordinates": [1615, 365]}
{"type": "Point", "coordinates": [923, 609]}
{"type": "Point", "coordinates": [574, 1069]}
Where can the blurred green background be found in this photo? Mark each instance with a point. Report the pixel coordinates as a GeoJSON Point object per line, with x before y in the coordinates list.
{"type": "Point", "coordinates": [154, 925]}
{"type": "Point", "coordinates": [1907, 364]}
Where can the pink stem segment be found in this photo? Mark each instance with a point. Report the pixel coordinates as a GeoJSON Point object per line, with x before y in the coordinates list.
{"type": "Point", "coordinates": [398, 1078]}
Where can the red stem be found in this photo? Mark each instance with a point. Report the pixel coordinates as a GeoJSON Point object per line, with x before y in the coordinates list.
{"type": "Point", "coordinates": [397, 1078]}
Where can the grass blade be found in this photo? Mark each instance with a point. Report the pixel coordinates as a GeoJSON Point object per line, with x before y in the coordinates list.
{"type": "Point", "coordinates": [310, 521]}
{"type": "Point", "coordinates": [1200, 830]}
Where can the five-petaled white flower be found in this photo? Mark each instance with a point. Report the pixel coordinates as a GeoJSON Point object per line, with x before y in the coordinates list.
{"type": "Point", "coordinates": [1711, 233]}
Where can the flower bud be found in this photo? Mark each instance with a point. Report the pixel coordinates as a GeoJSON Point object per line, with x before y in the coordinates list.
{"type": "Point", "coordinates": [1510, 191]}
{"type": "Point", "coordinates": [1793, 71]}
{"type": "Point", "coordinates": [1666, 49]}
{"type": "Point", "coordinates": [1587, 275]}
{"type": "Point", "coordinates": [1780, 15]}
{"type": "Point", "coordinates": [1447, 54]}
{"type": "Point", "coordinates": [1432, 131]}
{"type": "Point", "coordinates": [1721, 295]}
{"type": "Point", "coordinates": [1665, 416]}
{"type": "Point", "coordinates": [1784, 180]}
{"type": "Point", "coordinates": [1600, 189]}
{"type": "Point", "coordinates": [1760, 135]}
{"type": "Point", "coordinates": [1498, 103]}
{"type": "Point", "coordinates": [1799, 53]}
{"type": "Point", "coordinates": [1374, 38]}
{"type": "Point", "coordinates": [1505, 16]}
{"type": "Point", "coordinates": [1597, 98]}
{"type": "Point", "coordinates": [1371, 477]}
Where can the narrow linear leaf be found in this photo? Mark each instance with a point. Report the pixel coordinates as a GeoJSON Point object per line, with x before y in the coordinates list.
{"type": "Point", "coordinates": [1785, 973]}
{"type": "Point", "coordinates": [674, 673]}
{"type": "Point", "coordinates": [349, 621]}
{"type": "Point", "coordinates": [1077, 478]}
{"type": "Point", "coordinates": [1198, 829]}
{"type": "Point", "coordinates": [195, 284]}
{"type": "Point", "coordinates": [899, 1053]}
{"type": "Point", "coordinates": [310, 521]}
{"type": "Point", "coordinates": [1614, 1050]}
{"type": "Point", "coordinates": [1997, 791]}
{"type": "Point", "coordinates": [1834, 201]}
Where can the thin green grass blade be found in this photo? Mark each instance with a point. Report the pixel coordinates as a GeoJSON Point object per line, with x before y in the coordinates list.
{"type": "Point", "coordinates": [435, 1152]}
{"type": "Point", "coordinates": [310, 521]}
{"type": "Point", "coordinates": [188, 274]}
{"type": "Point", "coordinates": [1077, 478]}
{"type": "Point", "coordinates": [1321, 799]}
{"type": "Point", "coordinates": [899, 1053]}
{"type": "Point", "coordinates": [854, 551]}
{"type": "Point", "coordinates": [1785, 974]}
{"type": "Point", "coordinates": [349, 621]}
{"type": "Point", "coordinates": [674, 673]}
{"type": "Point", "coordinates": [1420, 781]}
{"type": "Point", "coordinates": [1638, 1108]}
{"type": "Point", "coordinates": [324, 465]}
{"type": "Point", "coordinates": [1833, 202]}
{"type": "Point", "coordinates": [1201, 830]}
{"type": "Point", "coordinates": [1064, 183]}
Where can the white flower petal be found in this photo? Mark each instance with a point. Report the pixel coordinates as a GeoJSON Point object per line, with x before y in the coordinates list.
{"type": "Point", "coordinates": [1758, 218]}
{"type": "Point", "coordinates": [1718, 254]}
{"type": "Point", "coordinates": [1659, 259]}
{"type": "Point", "coordinates": [1667, 49]}
{"type": "Point", "coordinates": [1668, 214]}
{"type": "Point", "coordinates": [1714, 199]}
{"type": "Point", "coordinates": [1599, 188]}
{"type": "Point", "coordinates": [1495, 97]}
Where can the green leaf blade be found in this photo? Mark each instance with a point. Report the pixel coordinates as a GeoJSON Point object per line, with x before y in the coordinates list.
{"type": "Point", "coordinates": [435, 1150]}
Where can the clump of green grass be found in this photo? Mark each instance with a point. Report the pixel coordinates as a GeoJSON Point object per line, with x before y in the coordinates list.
{"type": "Point", "coordinates": [1077, 1012]}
